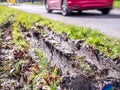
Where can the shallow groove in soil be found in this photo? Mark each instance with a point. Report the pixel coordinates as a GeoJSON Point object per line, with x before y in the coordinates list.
{"type": "Point", "coordinates": [83, 67]}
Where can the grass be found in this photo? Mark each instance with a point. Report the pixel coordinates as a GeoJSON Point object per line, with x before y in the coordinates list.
{"type": "Point", "coordinates": [35, 3]}
{"type": "Point", "coordinates": [19, 40]}
{"type": "Point", "coordinates": [117, 4]}
{"type": "Point", "coordinates": [13, 69]}
{"type": "Point", "coordinates": [43, 60]}
{"type": "Point", "coordinates": [109, 46]}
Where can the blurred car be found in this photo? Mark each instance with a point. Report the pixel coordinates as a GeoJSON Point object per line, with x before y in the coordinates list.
{"type": "Point", "coordinates": [67, 6]}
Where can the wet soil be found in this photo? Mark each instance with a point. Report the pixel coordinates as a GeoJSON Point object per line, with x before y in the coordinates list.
{"type": "Point", "coordinates": [82, 67]}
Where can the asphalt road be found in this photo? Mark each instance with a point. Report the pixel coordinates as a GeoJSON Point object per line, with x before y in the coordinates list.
{"type": "Point", "coordinates": [108, 24]}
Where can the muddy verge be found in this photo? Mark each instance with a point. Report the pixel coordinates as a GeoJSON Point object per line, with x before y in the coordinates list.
{"type": "Point", "coordinates": [82, 66]}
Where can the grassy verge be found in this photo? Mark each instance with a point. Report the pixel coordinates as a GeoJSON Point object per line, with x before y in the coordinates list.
{"type": "Point", "coordinates": [108, 45]}
{"type": "Point", "coordinates": [117, 4]}
{"type": "Point", "coordinates": [39, 73]}
{"type": "Point", "coordinates": [35, 3]}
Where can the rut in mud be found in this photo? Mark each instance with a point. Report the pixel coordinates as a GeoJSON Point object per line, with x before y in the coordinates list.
{"type": "Point", "coordinates": [82, 67]}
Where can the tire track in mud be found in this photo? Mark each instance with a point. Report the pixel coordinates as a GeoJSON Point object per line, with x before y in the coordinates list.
{"type": "Point", "coordinates": [83, 66]}
{"type": "Point", "coordinates": [17, 65]}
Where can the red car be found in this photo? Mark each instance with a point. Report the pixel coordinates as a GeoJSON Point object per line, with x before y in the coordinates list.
{"type": "Point", "coordinates": [67, 6]}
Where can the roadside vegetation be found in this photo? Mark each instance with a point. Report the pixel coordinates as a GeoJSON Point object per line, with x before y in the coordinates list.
{"type": "Point", "coordinates": [117, 4]}
{"type": "Point", "coordinates": [35, 2]}
{"type": "Point", "coordinates": [107, 45]}
{"type": "Point", "coordinates": [19, 69]}
{"type": "Point", "coordinates": [23, 66]}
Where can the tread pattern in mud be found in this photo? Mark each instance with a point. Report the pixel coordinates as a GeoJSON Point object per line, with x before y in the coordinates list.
{"type": "Point", "coordinates": [82, 66]}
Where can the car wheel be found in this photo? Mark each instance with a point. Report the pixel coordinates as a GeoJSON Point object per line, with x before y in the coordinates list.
{"type": "Point", "coordinates": [79, 11]}
{"type": "Point", "coordinates": [47, 7]}
{"type": "Point", "coordinates": [65, 10]}
{"type": "Point", "coordinates": [105, 11]}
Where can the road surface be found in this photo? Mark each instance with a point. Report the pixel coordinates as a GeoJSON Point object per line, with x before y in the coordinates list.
{"type": "Point", "coordinates": [108, 24]}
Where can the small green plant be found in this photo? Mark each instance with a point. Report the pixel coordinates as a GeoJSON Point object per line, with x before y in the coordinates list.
{"type": "Point", "coordinates": [53, 85]}
{"type": "Point", "coordinates": [42, 59]}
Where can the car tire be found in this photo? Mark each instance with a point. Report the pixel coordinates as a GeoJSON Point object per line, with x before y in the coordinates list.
{"type": "Point", "coordinates": [65, 10]}
{"type": "Point", "coordinates": [47, 7]}
{"type": "Point", "coordinates": [79, 11]}
{"type": "Point", "coordinates": [105, 11]}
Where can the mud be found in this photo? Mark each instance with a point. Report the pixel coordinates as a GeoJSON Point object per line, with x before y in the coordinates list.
{"type": "Point", "coordinates": [83, 67]}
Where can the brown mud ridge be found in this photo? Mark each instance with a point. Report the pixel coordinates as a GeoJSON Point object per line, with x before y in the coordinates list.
{"type": "Point", "coordinates": [82, 66]}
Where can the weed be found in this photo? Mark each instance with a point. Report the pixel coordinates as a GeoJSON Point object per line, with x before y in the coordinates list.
{"type": "Point", "coordinates": [42, 59]}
